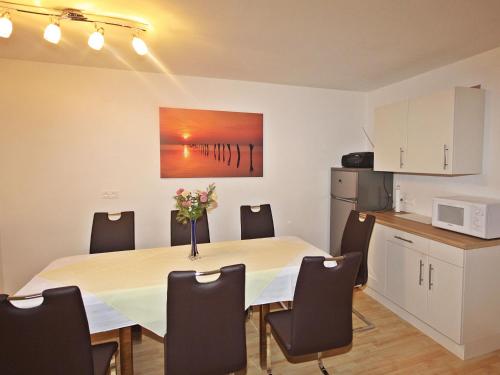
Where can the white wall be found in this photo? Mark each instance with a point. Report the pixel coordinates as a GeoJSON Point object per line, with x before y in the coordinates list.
{"type": "Point", "coordinates": [69, 133]}
{"type": "Point", "coordinates": [481, 69]}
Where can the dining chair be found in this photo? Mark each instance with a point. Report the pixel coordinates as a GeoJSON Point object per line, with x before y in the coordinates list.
{"type": "Point", "coordinates": [51, 338]}
{"type": "Point", "coordinates": [356, 238]}
{"type": "Point", "coordinates": [206, 322]}
{"type": "Point", "coordinates": [321, 317]}
{"type": "Point", "coordinates": [112, 232]}
{"type": "Point", "coordinates": [180, 234]}
{"type": "Point", "coordinates": [256, 222]}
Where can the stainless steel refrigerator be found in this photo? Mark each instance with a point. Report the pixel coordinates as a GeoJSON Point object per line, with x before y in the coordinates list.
{"type": "Point", "coordinates": [360, 189]}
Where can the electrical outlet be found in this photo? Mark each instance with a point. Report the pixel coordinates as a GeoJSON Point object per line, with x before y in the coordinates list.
{"type": "Point", "coordinates": [110, 195]}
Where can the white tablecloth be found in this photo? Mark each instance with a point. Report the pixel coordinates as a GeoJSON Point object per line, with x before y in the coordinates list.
{"type": "Point", "coordinates": [102, 316]}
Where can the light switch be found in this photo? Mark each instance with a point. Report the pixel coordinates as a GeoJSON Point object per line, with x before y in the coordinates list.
{"type": "Point", "coordinates": [110, 195]}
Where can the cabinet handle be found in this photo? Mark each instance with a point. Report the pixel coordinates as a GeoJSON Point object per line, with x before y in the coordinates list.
{"type": "Point", "coordinates": [430, 276]}
{"type": "Point", "coordinates": [403, 239]}
{"type": "Point", "coordinates": [401, 157]}
{"type": "Point", "coordinates": [445, 157]}
{"type": "Point", "coordinates": [420, 277]}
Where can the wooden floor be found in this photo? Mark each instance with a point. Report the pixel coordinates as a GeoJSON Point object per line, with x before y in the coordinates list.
{"type": "Point", "coordinates": [393, 347]}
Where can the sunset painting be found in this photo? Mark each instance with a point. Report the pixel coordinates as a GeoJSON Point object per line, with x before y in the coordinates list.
{"type": "Point", "coordinates": [204, 143]}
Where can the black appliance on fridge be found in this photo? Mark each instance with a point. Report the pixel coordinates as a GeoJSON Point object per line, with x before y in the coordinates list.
{"type": "Point", "coordinates": [360, 189]}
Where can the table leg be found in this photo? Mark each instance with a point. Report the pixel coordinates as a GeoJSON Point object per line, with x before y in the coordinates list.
{"type": "Point", "coordinates": [126, 353]}
{"type": "Point", "coordinates": [263, 309]}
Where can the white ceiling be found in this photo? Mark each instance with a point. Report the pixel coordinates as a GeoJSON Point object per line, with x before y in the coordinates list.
{"type": "Point", "coordinates": [342, 44]}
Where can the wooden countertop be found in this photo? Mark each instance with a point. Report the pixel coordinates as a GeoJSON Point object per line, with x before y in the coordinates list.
{"type": "Point", "coordinates": [455, 239]}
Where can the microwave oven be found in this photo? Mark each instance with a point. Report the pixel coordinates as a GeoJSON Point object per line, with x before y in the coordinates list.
{"type": "Point", "coordinates": [475, 216]}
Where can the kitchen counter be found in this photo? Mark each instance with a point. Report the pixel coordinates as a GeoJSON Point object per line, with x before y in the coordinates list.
{"type": "Point", "coordinates": [455, 239]}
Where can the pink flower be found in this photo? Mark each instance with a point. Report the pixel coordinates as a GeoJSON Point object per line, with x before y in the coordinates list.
{"type": "Point", "coordinates": [179, 191]}
{"type": "Point", "coordinates": [186, 204]}
{"type": "Point", "coordinates": [203, 198]}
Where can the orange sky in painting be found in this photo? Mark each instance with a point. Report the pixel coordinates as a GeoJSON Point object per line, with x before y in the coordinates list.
{"type": "Point", "coordinates": [191, 126]}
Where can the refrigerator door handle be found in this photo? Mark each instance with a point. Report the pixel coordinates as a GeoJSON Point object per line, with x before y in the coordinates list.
{"type": "Point", "coordinates": [343, 199]}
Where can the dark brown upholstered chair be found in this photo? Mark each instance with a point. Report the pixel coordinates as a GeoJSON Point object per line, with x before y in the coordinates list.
{"type": "Point", "coordinates": [256, 222]}
{"type": "Point", "coordinates": [50, 339]}
{"type": "Point", "coordinates": [180, 234]}
{"type": "Point", "coordinates": [356, 238]}
{"type": "Point", "coordinates": [321, 318]}
{"type": "Point", "coordinates": [206, 323]}
{"type": "Point", "coordinates": [112, 235]}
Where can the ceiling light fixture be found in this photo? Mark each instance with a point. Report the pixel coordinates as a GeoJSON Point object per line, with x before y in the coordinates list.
{"type": "Point", "coordinates": [96, 39]}
{"type": "Point", "coordinates": [52, 33]}
{"type": "Point", "coordinates": [139, 45]}
{"type": "Point", "coordinates": [5, 25]}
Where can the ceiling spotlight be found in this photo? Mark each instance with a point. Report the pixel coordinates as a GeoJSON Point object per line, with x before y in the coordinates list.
{"type": "Point", "coordinates": [52, 33]}
{"type": "Point", "coordinates": [96, 39]}
{"type": "Point", "coordinates": [139, 45]}
{"type": "Point", "coordinates": [5, 25]}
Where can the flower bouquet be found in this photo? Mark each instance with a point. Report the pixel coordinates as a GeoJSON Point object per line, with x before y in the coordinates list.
{"type": "Point", "coordinates": [191, 206]}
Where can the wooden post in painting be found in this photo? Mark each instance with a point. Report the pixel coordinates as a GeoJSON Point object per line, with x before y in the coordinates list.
{"type": "Point", "coordinates": [229, 149]}
{"type": "Point", "coordinates": [238, 151]}
{"type": "Point", "coordinates": [218, 150]}
{"type": "Point", "coordinates": [223, 152]}
{"type": "Point", "coordinates": [251, 157]}
{"type": "Point", "coordinates": [215, 155]}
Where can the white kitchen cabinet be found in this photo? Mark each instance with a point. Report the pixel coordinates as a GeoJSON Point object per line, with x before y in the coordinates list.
{"type": "Point", "coordinates": [440, 133]}
{"type": "Point", "coordinates": [426, 286]}
{"type": "Point", "coordinates": [445, 286]}
{"type": "Point", "coordinates": [377, 260]}
{"type": "Point", "coordinates": [390, 137]}
{"type": "Point", "coordinates": [454, 300]}
{"type": "Point", "coordinates": [405, 278]}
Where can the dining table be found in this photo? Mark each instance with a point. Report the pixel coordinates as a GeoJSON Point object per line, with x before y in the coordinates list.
{"type": "Point", "coordinates": [126, 288]}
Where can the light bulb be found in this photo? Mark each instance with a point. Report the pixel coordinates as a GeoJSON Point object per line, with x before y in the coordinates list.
{"type": "Point", "coordinates": [5, 26]}
{"type": "Point", "coordinates": [52, 33]}
{"type": "Point", "coordinates": [139, 45]}
{"type": "Point", "coordinates": [96, 39]}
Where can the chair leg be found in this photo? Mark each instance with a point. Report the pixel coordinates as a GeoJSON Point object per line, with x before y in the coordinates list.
{"type": "Point", "coordinates": [269, 370]}
{"type": "Point", "coordinates": [369, 325]}
{"type": "Point", "coordinates": [321, 366]}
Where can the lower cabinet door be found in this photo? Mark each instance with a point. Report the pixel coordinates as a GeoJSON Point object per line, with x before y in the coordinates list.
{"type": "Point", "coordinates": [445, 287]}
{"type": "Point", "coordinates": [406, 279]}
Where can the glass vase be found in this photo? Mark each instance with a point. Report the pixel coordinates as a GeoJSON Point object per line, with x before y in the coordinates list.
{"type": "Point", "coordinates": [194, 248]}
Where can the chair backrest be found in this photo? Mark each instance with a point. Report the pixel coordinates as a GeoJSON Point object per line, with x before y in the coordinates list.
{"type": "Point", "coordinates": [180, 234]}
{"type": "Point", "coordinates": [51, 338]}
{"type": "Point", "coordinates": [256, 222]}
{"type": "Point", "coordinates": [356, 238]}
{"type": "Point", "coordinates": [112, 235]}
{"type": "Point", "coordinates": [206, 323]}
{"type": "Point", "coordinates": [322, 305]}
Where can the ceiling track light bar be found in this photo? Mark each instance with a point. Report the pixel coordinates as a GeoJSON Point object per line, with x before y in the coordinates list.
{"type": "Point", "coordinates": [74, 15]}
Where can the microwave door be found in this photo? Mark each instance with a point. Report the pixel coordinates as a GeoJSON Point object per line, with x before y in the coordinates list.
{"type": "Point", "coordinates": [453, 217]}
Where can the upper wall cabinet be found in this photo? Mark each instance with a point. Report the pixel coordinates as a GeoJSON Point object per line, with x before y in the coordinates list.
{"type": "Point", "coordinates": [440, 133]}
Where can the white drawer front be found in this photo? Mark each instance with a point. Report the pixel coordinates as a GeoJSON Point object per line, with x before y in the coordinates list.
{"type": "Point", "coordinates": [409, 240]}
{"type": "Point", "coordinates": [446, 253]}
